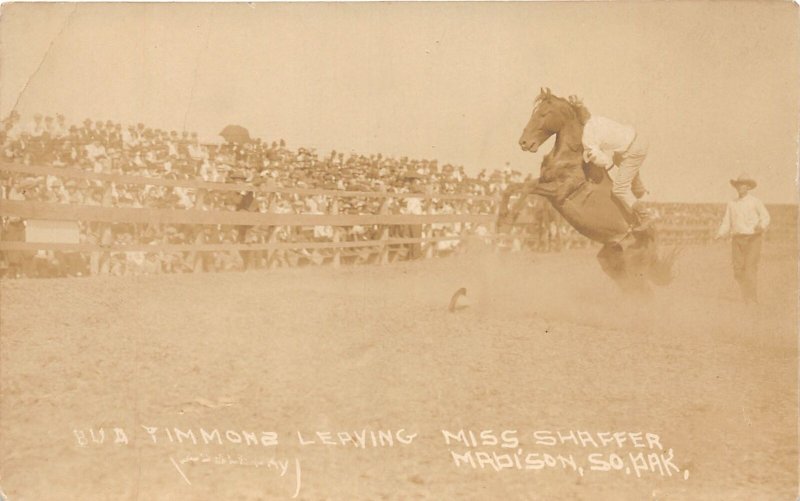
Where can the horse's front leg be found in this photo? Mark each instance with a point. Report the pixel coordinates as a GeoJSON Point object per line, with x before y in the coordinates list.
{"type": "Point", "coordinates": [511, 190]}
{"type": "Point", "coordinates": [536, 186]}
{"type": "Point", "coordinates": [524, 189]}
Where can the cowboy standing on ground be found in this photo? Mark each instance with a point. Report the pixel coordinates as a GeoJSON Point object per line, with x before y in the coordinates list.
{"type": "Point", "coordinates": [745, 220]}
{"type": "Point", "coordinates": [607, 143]}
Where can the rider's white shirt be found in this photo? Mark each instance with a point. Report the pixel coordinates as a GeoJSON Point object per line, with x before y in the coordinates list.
{"type": "Point", "coordinates": [604, 137]}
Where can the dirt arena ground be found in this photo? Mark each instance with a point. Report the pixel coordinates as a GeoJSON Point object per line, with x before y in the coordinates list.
{"type": "Point", "coordinates": [545, 344]}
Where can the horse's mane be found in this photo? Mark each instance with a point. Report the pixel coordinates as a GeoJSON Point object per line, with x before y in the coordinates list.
{"type": "Point", "coordinates": [580, 111]}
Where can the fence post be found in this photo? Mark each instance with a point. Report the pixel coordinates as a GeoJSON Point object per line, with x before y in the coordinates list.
{"type": "Point", "coordinates": [200, 199]}
{"type": "Point", "coordinates": [493, 225]}
{"type": "Point", "coordinates": [337, 251]}
{"type": "Point", "coordinates": [428, 227]}
{"type": "Point", "coordinates": [464, 229]}
{"type": "Point", "coordinates": [384, 230]}
{"type": "Point", "coordinates": [272, 233]}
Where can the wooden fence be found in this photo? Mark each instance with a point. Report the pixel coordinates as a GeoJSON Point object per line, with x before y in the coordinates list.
{"type": "Point", "coordinates": [383, 220]}
{"type": "Point", "coordinates": [272, 221]}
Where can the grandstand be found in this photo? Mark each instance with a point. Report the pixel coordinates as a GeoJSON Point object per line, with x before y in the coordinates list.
{"type": "Point", "coordinates": [143, 200]}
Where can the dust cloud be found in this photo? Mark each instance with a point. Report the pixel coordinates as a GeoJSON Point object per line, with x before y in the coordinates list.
{"type": "Point", "coordinates": [545, 342]}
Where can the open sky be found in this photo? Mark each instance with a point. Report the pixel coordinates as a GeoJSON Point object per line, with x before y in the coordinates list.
{"type": "Point", "coordinates": [714, 86]}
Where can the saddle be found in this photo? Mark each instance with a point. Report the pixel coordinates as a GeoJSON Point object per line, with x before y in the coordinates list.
{"type": "Point", "coordinates": [595, 212]}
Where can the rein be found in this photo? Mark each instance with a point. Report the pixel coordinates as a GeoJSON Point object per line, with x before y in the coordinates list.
{"type": "Point", "coordinates": [571, 193]}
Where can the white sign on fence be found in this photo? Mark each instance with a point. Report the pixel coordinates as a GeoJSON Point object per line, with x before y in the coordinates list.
{"type": "Point", "coordinates": [45, 231]}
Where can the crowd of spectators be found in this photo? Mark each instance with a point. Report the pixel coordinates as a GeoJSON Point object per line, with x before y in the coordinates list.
{"type": "Point", "coordinates": [138, 150]}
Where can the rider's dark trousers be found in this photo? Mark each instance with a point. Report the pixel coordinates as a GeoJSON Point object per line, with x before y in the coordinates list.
{"type": "Point", "coordinates": [746, 254]}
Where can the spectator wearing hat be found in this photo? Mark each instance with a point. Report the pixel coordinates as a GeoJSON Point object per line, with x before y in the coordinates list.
{"type": "Point", "coordinates": [74, 196]}
{"type": "Point", "coordinates": [114, 135]}
{"type": "Point", "coordinates": [59, 129]}
{"type": "Point", "coordinates": [95, 149]}
{"type": "Point", "coordinates": [86, 133]}
{"type": "Point", "coordinates": [49, 127]}
{"type": "Point", "coordinates": [195, 151]}
{"type": "Point", "coordinates": [130, 138]}
{"type": "Point", "coordinates": [100, 132]}
{"type": "Point", "coordinates": [37, 127]}
{"type": "Point", "coordinates": [746, 219]}
{"type": "Point", "coordinates": [11, 129]}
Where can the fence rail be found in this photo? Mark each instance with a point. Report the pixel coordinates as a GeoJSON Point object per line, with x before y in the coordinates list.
{"type": "Point", "coordinates": [31, 210]}
{"type": "Point", "coordinates": [686, 234]}
{"type": "Point", "coordinates": [69, 212]}
{"type": "Point", "coordinates": [32, 246]}
{"type": "Point", "coordinates": [383, 221]}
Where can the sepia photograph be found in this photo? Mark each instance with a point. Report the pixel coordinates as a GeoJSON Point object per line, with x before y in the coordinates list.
{"type": "Point", "coordinates": [399, 251]}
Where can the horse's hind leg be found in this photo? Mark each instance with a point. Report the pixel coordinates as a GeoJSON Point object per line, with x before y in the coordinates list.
{"type": "Point", "coordinates": [612, 260]}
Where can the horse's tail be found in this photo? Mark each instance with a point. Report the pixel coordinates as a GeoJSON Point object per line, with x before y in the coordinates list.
{"type": "Point", "coordinates": [661, 270]}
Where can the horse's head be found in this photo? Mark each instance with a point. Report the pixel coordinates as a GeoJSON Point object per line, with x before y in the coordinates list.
{"type": "Point", "coordinates": [550, 114]}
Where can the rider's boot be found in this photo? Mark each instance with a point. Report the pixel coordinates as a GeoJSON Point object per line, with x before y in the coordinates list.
{"type": "Point", "coordinates": [644, 217]}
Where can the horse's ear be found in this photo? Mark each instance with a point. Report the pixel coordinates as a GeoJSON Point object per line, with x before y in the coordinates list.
{"type": "Point", "coordinates": [547, 90]}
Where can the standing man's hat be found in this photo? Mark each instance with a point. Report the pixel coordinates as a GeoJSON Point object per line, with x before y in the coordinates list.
{"type": "Point", "coordinates": [744, 179]}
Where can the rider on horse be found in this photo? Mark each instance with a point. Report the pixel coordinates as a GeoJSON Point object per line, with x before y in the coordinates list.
{"type": "Point", "coordinates": [607, 143]}
{"type": "Point", "coordinates": [572, 180]}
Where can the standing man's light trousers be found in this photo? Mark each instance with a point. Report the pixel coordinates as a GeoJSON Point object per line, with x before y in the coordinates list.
{"type": "Point", "coordinates": [746, 254]}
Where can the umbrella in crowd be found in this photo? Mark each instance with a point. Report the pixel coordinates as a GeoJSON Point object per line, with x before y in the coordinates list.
{"type": "Point", "coordinates": [235, 134]}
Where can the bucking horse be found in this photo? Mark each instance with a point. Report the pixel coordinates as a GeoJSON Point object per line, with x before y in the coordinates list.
{"type": "Point", "coordinates": [581, 193]}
